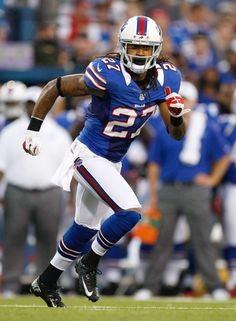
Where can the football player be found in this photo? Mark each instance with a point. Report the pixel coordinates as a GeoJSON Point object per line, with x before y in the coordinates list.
{"type": "Point", "coordinates": [126, 89]}
{"type": "Point", "coordinates": [12, 103]}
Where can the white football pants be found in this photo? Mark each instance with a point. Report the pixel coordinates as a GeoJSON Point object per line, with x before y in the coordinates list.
{"type": "Point", "coordinates": [101, 190]}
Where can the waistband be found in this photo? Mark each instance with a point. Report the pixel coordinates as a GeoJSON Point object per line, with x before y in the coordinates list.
{"type": "Point", "coordinates": [32, 190]}
{"type": "Point", "coordinates": [178, 183]}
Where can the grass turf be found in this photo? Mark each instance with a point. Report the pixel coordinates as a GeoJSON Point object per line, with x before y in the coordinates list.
{"type": "Point", "coordinates": [29, 308]}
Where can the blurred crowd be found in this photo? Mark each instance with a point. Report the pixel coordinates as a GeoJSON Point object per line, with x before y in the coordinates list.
{"type": "Point", "coordinates": [198, 35]}
{"type": "Point", "coordinates": [200, 40]}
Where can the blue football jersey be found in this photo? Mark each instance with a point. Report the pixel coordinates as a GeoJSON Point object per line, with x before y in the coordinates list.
{"type": "Point", "coordinates": [113, 121]}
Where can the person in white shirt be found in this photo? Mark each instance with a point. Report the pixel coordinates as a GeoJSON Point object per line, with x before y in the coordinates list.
{"type": "Point", "coordinates": [12, 95]}
{"type": "Point", "coordinates": [30, 196]}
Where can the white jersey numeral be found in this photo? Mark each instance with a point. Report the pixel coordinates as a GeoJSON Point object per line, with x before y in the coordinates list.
{"type": "Point", "coordinates": [168, 65]}
{"type": "Point", "coordinates": [130, 120]}
{"type": "Point", "coordinates": [131, 116]}
{"type": "Point", "coordinates": [110, 66]}
{"type": "Point", "coordinates": [145, 112]}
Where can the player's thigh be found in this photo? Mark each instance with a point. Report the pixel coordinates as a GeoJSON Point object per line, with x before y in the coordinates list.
{"type": "Point", "coordinates": [103, 179]}
{"type": "Point", "coordinates": [89, 209]}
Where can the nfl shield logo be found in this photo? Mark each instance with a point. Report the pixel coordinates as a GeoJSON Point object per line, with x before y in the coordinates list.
{"type": "Point", "coordinates": [141, 96]}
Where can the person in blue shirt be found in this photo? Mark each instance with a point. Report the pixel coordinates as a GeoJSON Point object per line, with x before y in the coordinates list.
{"type": "Point", "coordinates": [125, 89]}
{"type": "Point", "coordinates": [227, 66]}
{"type": "Point", "coordinates": [186, 170]}
{"type": "Point", "coordinates": [227, 190]}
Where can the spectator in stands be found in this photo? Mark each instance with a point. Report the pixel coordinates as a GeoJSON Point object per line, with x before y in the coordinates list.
{"type": "Point", "coordinates": [162, 17]}
{"type": "Point", "coordinates": [83, 49]}
{"type": "Point", "coordinates": [196, 18]}
{"type": "Point", "coordinates": [222, 36]}
{"type": "Point", "coordinates": [46, 46]}
{"type": "Point", "coordinates": [99, 31]}
{"type": "Point", "coordinates": [80, 17]}
{"type": "Point", "coordinates": [200, 55]}
{"type": "Point", "coordinates": [4, 27]}
{"type": "Point", "coordinates": [208, 84]}
{"type": "Point", "coordinates": [227, 67]}
{"type": "Point", "coordinates": [30, 196]}
{"type": "Point", "coordinates": [172, 7]}
{"type": "Point", "coordinates": [226, 11]}
{"type": "Point", "coordinates": [225, 98]}
{"type": "Point", "coordinates": [134, 8]}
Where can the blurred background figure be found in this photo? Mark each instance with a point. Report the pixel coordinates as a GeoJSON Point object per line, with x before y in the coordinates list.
{"type": "Point", "coordinates": [30, 200]}
{"type": "Point", "coordinates": [4, 27]}
{"type": "Point", "coordinates": [195, 17]}
{"type": "Point", "coordinates": [227, 190]}
{"type": "Point", "coordinates": [208, 85]}
{"type": "Point", "coordinates": [12, 95]}
{"type": "Point", "coordinates": [46, 46]}
{"type": "Point", "coordinates": [227, 66]}
{"type": "Point", "coordinates": [181, 175]}
{"type": "Point", "coordinates": [200, 55]}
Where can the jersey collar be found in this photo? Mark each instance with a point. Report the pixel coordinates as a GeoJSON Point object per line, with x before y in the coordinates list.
{"type": "Point", "coordinates": [126, 75]}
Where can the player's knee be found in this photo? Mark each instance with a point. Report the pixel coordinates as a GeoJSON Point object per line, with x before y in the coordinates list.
{"type": "Point", "coordinates": [137, 209]}
{"type": "Point", "coordinates": [132, 216]}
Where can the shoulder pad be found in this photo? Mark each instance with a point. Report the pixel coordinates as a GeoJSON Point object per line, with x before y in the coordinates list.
{"type": "Point", "coordinates": [169, 75]}
{"type": "Point", "coordinates": [96, 75]}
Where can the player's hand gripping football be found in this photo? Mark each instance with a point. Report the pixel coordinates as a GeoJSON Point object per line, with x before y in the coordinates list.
{"type": "Point", "coordinates": [175, 103]}
{"type": "Point", "coordinates": [32, 144]}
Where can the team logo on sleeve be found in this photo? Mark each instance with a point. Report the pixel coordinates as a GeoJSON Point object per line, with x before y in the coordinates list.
{"type": "Point", "coordinates": [97, 80]}
{"type": "Point", "coordinates": [99, 69]}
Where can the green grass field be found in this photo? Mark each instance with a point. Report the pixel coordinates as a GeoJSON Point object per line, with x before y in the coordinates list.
{"type": "Point", "coordinates": [29, 308]}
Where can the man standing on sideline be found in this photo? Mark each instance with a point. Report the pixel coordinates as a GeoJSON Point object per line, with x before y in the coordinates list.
{"type": "Point", "coordinates": [227, 190]}
{"type": "Point", "coordinates": [187, 170]}
{"type": "Point", "coordinates": [30, 196]}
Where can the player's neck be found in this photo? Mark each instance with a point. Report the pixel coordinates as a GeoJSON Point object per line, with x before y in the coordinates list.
{"type": "Point", "coordinates": [137, 77]}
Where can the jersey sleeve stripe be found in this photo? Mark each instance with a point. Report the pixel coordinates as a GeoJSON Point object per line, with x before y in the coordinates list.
{"type": "Point", "coordinates": [96, 74]}
{"type": "Point", "coordinates": [93, 81]}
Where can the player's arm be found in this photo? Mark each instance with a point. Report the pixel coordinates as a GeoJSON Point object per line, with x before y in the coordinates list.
{"type": "Point", "coordinates": [172, 111]}
{"type": "Point", "coordinates": [175, 126]}
{"type": "Point", "coordinates": [71, 85]}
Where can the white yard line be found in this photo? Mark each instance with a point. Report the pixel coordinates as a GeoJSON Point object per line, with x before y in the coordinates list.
{"type": "Point", "coordinates": [114, 308]}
